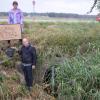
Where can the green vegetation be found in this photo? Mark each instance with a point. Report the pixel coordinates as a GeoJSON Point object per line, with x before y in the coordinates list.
{"type": "Point", "coordinates": [75, 49]}
{"type": "Point", "coordinates": [79, 77]}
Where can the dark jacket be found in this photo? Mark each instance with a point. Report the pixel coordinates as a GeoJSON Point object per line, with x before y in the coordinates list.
{"type": "Point", "coordinates": [28, 55]}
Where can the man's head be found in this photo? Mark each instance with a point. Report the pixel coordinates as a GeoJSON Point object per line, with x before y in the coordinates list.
{"type": "Point", "coordinates": [15, 4]}
{"type": "Point", "coordinates": [25, 42]}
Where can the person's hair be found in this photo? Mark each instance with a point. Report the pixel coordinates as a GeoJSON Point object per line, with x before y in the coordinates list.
{"type": "Point", "coordinates": [15, 3]}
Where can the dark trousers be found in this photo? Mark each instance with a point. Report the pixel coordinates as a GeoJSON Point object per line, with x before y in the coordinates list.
{"type": "Point", "coordinates": [28, 74]}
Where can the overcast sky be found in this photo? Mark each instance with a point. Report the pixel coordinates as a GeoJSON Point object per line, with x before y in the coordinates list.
{"type": "Point", "coordinates": [60, 6]}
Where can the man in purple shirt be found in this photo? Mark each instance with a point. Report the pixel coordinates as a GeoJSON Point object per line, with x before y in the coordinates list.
{"type": "Point", "coordinates": [15, 17]}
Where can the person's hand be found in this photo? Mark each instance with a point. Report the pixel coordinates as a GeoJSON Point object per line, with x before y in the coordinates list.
{"type": "Point", "coordinates": [15, 48]}
{"type": "Point", "coordinates": [33, 67]}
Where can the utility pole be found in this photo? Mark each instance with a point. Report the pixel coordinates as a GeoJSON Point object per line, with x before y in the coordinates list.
{"type": "Point", "coordinates": [33, 2]}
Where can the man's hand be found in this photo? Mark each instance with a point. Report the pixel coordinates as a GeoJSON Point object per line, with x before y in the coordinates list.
{"type": "Point", "coordinates": [33, 67]}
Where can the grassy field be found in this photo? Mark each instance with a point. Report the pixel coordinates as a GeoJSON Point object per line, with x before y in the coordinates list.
{"type": "Point", "coordinates": [50, 19]}
{"type": "Point", "coordinates": [74, 48]}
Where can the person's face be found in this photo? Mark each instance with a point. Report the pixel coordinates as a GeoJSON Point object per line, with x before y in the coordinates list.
{"type": "Point", "coordinates": [25, 42]}
{"type": "Point", "coordinates": [15, 6]}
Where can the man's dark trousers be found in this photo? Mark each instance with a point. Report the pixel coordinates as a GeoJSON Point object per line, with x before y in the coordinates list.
{"type": "Point", "coordinates": [28, 75]}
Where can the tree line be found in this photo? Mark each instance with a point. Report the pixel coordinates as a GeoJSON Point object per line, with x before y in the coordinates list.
{"type": "Point", "coordinates": [56, 15]}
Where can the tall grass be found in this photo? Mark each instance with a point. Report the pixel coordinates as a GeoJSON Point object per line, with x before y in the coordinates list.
{"type": "Point", "coordinates": [68, 36]}
{"type": "Point", "coordinates": [79, 77]}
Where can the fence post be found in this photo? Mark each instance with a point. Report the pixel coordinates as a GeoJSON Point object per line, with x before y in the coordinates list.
{"type": "Point", "coordinates": [53, 80]}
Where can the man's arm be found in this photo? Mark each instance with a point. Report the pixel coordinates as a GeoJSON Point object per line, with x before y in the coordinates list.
{"type": "Point", "coordinates": [34, 56]}
{"type": "Point", "coordinates": [21, 17]}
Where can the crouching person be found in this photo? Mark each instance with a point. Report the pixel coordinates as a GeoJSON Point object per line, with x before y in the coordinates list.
{"type": "Point", "coordinates": [28, 60]}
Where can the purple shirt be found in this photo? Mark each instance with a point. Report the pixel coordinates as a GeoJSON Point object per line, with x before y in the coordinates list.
{"type": "Point", "coordinates": [15, 17]}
